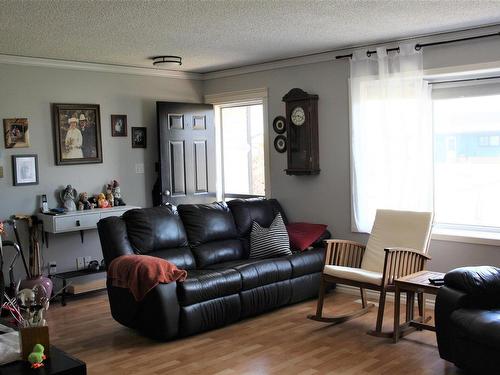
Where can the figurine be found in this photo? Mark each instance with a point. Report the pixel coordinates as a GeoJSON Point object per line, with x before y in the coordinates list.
{"type": "Point", "coordinates": [101, 201]}
{"type": "Point", "coordinates": [32, 304]}
{"type": "Point", "coordinates": [37, 357]}
{"type": "Point", "coordinates": [93, 201]}
{"type": "Point", "coordinates": [110, 199]}
{"type": "Point", "coordinates": [117, 194]}
{"type": "Point", "coordinates": [84, 203]}
{"type": "Point", "coordinates": [68, 196]}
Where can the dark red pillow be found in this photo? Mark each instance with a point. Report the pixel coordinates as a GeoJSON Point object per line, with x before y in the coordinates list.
{"type": "Point", "coordinates": [303, 235]}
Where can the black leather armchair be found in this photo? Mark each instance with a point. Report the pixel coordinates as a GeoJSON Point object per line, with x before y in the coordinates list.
{"type": "Point", "coordinates": [468, 319]}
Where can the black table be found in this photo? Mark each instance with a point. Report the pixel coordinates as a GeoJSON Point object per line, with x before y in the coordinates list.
{"type": "Point", "coordinates": [59, 363]}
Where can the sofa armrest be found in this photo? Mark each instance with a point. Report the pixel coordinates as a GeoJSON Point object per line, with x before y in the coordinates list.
{"type": "Point", "coordinates": [447, 301]}
{"type": "Point", "coordinates": [114, 239]}
{"type": "Point", "coordinates": [483, 280]}
{"type": "Point", "coordinates": [157, 315]}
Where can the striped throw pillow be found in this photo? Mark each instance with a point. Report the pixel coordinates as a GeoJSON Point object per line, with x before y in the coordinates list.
{"type": "Point", "coordinates": [269, 242]}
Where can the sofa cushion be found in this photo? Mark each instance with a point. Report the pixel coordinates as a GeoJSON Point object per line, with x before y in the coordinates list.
{"type": "Point", "coordinates": [307, 262]}
{"type": "Point", "coordinates": [207, 222]}
{"type": "Point", "coordinates": [211, 232]}
{"type": "Point", "coordinates": [155, 228]}
{"type": "Point", "coordinates": [217, 252]}
{"type": "Point", "coordinates": [156, 231]}
{"type": "Point", "coordinates": [262, 211]}
{"type": "Point", "coordinates": [182, 257]}
{"type": "Point", "coordinates": [204, 285]}
{"type": "Point", "coordinates": [258, 272]}
{"type": "Point", "coordinates": [269, 242]}
{"type": "Point", "coordinates": [482, 326]}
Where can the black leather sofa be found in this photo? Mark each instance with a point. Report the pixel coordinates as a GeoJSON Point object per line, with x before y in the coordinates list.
{"type": "Point", "coordinates": [211, 242]}
{"type": "Point", "coordinates": [468, 319]}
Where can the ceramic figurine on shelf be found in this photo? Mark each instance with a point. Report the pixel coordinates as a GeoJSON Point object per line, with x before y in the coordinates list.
{"type": "Point", "coordinates": [84, 203]}
{"type": "Point", "coordinates": [93, 201]}
{"type": "Point", "coordinates": [110, 199]}
{"type": "Point", "coordinates": [37, 356]}
{"type": "Point", "coordinates": [68, 196]}
{"type": "Point", "coordinates": [101, 201]}
{"type": "Point", "coordinates": [117, 194]}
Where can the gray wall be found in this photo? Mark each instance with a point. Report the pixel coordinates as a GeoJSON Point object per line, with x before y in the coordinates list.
{"type": "Point", "coordinates": [29, 91]}
{"type": "Point", "coordinates": [326, 198]}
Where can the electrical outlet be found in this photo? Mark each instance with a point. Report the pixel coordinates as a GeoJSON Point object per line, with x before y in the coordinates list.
{"type": "Point", "coordinates": [80, 264]}
{"type": "Point", "coordinates": [52, 268]}
{"type": "Point", "coordinates": [86, 261]}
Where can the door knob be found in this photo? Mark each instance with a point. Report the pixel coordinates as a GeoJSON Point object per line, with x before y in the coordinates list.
{"type": "Point", "coordinates": [166, 193]}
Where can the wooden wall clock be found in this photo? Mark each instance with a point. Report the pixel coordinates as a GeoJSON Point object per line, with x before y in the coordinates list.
{"type": "Point", "coordinates": [302, 131]}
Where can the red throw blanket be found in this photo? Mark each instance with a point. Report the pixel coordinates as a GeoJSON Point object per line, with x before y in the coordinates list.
{"type": "Point", "coordinates": [141, 273]}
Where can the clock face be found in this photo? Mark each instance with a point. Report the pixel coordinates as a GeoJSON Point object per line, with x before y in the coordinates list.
{"type": "Point", "coordinates": [298, 116]}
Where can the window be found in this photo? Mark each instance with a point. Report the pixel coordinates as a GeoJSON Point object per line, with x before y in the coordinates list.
{"type": "Point", "coordinates": [242, 150]}
{"type": "Point", "coordinates": [466, 121]}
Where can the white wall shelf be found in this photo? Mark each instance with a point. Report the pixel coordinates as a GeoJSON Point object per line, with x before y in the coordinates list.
{"type": "Point", "coordinates": [77, 220]}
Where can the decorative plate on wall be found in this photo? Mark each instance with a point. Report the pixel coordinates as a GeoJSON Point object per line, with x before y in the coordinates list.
{"type": "Point", "coordinates": [279, 124]}
{"type": "Point", "coordinates": [280, 143]}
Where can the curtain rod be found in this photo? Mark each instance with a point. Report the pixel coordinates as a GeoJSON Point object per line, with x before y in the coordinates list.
{"type": "Point", "coordinates": [464, 80]}
{"type": "Point", "coordinates": [419, 46]}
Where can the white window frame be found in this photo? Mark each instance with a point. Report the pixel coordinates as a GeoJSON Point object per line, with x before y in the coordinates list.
{"type": "Point", "coordinates": [238, 99]}
{"type": "Point", "coordinates": [465, 233]}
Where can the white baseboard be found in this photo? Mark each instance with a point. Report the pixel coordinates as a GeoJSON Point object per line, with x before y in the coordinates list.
{"type": "Point", "coordinates": [374, 295]}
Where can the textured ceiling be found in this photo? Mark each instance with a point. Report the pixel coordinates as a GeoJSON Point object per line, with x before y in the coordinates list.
{"type": "Point", "coordinates": [215, 35]}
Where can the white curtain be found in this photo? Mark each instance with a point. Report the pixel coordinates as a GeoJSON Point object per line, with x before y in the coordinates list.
{"type": "Point", "coordinates": [391, 134]}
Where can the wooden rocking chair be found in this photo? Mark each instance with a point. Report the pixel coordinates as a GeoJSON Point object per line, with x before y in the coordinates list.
{"type": "Point", "coordinates": [397, 247]}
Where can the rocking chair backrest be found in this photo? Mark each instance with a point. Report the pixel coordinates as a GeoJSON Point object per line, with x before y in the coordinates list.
{"type": "Point", "coordinates": [405, 229]}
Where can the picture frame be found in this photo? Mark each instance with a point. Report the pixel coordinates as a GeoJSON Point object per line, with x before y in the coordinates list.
{"type": "Point", "coordinates": [139, 137]}
{"type": "Point", "coordinates": [16, 132]}
{"type": "Point", "coordinates": [77, 133]}
{"type": "Point", "coordinates": [25, 169]}
{"type": "Point", "coordinates": [118, 125]}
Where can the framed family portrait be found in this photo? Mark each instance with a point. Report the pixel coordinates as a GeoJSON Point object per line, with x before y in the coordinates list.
{"type": "Point", "coordinates": [16, 132]}
{"type": "Point", "coordinates": [118, 125]}
{"type": "Point", "coordinates": [139, 139]}
{"type": "Point", "coordinates": [77, 133]}
{"type": "Point", "coordinates": [25, 169]}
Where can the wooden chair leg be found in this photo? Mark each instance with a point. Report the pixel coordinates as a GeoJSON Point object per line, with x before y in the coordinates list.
{"type": "Point", "coordinates": [380, 315]}
{"type": "Point", "coordinates": [380, 318]}
{"type": "Point", "coordinates": [321, 298]}
{"type": "Point", "coordinates": [363, 297]}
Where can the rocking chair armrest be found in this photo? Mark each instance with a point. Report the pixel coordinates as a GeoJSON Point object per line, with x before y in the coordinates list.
{"type": "Point", "coordinates": [407, 250]}
{"type": "Point", "coordinates": [344, 253]}
{"type": "Point", "coordinates": [400, 262]}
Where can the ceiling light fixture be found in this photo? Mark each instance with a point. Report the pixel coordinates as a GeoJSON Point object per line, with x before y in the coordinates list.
{"type": "Point", "coordinates": [160, 60]}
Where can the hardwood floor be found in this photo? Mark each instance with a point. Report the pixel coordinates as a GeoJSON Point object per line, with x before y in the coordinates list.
{"type": "Point", "coordinates": [280, 342]}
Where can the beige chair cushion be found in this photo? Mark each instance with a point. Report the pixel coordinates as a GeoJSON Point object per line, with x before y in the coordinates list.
{"type": "Point", "coordinates": [355, 274]}
{"type": "Point", "coordinates": [396, 229]}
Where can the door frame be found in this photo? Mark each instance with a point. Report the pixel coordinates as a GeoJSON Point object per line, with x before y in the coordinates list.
{"type": "Point", "coordinates": [232, 99]}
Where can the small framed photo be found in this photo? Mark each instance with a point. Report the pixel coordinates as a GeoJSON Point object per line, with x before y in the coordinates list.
{"type": "Point", "coordinates": [16, 132]}
{"type": "Point", "coordinates": [25, 169]}
{"type": "Point", "coordinates": [118, 125]}
{"type": "Point", "coordinates": [139, 139]}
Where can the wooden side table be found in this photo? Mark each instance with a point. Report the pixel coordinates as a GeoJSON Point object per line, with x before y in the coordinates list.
{"type": "Point", "coordinates": [411, 284]}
